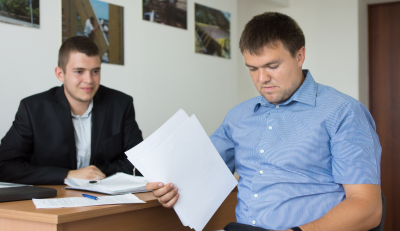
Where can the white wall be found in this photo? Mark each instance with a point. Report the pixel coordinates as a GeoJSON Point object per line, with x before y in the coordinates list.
{"type": "Point", "coordinates": [331, 31]}
{"type": "Point", "coordinates": [161, 70]}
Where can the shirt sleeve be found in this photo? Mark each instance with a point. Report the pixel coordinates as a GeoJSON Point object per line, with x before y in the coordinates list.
{"type": "Point", "coordinates": [224, 144]}
{"type": "Point", "coordinates": [355, 147]}
{"type": "Point", "coordinates": [16, 151]}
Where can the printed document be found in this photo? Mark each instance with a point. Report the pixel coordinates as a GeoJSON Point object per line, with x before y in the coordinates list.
{"type": "Point", "coordinates": [83, 201]}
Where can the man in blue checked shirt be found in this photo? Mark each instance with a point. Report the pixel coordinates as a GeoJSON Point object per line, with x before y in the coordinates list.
{"type": "Point", "coordinates": [308, 155]}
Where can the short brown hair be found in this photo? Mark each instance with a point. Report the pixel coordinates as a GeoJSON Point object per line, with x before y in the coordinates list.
{"type": "Point", "coordinates": [269, 28]}
{"type": "Point", "coordinates": [79, 44]}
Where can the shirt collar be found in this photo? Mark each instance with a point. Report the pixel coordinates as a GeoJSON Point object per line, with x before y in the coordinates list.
{"type": "Point", "coordinates": [87, 113]}
{"type": "Point", "coordinates": [306, 93]}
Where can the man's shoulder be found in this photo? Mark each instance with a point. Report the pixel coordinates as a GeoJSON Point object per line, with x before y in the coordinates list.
{"type": "Point", "coordinates": [109, 94]}
{"type": "Point", "coordinates": [333, 97]}
{"type": "Point", "coordinates": [42, 96]}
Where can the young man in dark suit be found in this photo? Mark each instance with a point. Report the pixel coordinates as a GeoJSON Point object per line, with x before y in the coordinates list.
{"type": "Point", "coordinates": [79, 130]}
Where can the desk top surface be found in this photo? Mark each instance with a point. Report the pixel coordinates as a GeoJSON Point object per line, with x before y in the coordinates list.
{"type": "Point", "coordinates": [26, 210]}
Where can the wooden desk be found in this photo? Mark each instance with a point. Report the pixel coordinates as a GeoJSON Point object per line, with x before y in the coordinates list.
{"type": "Point", "coordinates": [23, 215]}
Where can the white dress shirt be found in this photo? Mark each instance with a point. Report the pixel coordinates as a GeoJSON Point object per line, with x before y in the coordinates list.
{"type": "Point", "coordinates": [83, 136]}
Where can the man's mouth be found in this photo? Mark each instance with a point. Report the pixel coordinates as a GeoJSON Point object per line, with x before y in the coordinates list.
{"type": "Point", "coordinates": [87, 89]}
{"type": "Point", "coordinates": [269, 88]}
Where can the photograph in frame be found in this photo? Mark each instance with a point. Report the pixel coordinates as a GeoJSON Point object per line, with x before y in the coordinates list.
{"type": "Point", "coordinates": [166, 12]}
{"type": "Point", "coordinates": [212, 31]}
{"type": "Point", "coordinates": [20, 12]}
{"type": "Point", "coordinates": [100, 21]}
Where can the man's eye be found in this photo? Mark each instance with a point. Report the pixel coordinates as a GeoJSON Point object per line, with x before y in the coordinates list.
{"type": "Point", "coordinates": [78, 72]}
{"type": "Point", "coordinates": [252, 69]}
{"type": "Point", "coordinates": [96, 71]}
{"type": "Point", "coordinates": [274, 67]}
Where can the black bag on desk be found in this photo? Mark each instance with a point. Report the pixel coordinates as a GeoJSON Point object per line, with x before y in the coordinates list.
{"type": "Point", "coordinates": [26, 193]}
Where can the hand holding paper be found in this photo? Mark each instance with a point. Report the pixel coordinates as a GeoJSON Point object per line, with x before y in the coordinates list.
{"type": "Point", "coordinates": [167, 194]}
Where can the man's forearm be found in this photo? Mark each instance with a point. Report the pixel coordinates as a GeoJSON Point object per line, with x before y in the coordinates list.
{"type": "Point", "coordinates": [352, 214]}
{"type": "Point", "coordinates": [17, 171]}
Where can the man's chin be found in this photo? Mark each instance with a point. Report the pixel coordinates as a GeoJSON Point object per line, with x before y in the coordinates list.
{"type": "Point", "coordinates": [85, 99]}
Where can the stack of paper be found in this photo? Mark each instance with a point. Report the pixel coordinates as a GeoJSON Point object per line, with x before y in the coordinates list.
{"type": "Point", "coordinates": [181, 153]}
{"type": "Point", "coordinates": [119, 183]}
{"type": "Point", "coordinates": [83, 201]}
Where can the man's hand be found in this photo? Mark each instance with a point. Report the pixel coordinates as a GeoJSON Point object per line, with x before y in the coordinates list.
{"type": "Point", "coordinates": [88, 173]}
{"type": "Point", "coordinates": [167, 195]}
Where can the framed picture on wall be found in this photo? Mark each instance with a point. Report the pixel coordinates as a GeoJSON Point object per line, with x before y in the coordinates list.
{"type": "Point", "coordinates": [100, 21]}
{"type": "Point", "coordinates": [20, 12]}
{"type": "Point", "coordinates": [212, 31]}
{"type": "Point", "coordinates": [166, 12]}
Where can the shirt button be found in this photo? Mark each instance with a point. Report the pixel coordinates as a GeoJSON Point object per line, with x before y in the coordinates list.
{"type": "Point", "coordinates": [254, 222]}
{"type": "Point", "coordinates": [255, 195]}
{"type": "Point", "coordinates": [262, 151]}
{"type": "Point", "coordinates": [261, 172]}
{"type": "Point", "coordinates": [277, 106]}
{"type": "Point", "coordinates": [270, 127]}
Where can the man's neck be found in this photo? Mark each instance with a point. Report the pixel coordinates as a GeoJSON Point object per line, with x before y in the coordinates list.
{"type": "Point", "coordinates": [79, 108]}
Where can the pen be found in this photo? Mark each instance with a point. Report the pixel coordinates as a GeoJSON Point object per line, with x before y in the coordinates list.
{"type": "Point", "coordinates": [90, 196]}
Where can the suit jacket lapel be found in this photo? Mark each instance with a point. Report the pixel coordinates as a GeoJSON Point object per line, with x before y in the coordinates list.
{"type": "Point", "coordinates": [63, 112]}
{"type": "Point", "coordinates": [98, 116]}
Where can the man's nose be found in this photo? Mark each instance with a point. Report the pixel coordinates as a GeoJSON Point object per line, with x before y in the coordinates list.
{"type": "Point", "coordinates": [264, 76]}
{"type": "Point", "coordinates": [88, 77]}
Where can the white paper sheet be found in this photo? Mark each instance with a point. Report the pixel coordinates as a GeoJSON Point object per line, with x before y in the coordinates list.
{"type": "Point", "coordinates": [190, 161]}
{"type": "Point", "coordinates": [83, 201]}
{"type": "Point", "coordinates": [119, 183]}
{"type": "Point", "coordinates": [154, 140]}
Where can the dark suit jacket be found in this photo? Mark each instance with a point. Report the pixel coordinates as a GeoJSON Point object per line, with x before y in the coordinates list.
{"type": "Point", "coordinates": [40, 146]}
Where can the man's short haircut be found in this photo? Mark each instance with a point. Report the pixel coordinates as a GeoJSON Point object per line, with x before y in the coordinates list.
{"type": "Point", "coordinates": [80, 44]}
{"type": "Point", "coordinates": [268, 29]}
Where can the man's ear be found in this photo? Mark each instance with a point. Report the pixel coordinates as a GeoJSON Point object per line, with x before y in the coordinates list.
{"type": "Point", "coordinates": [59, 74]}
{"type": "Point", "coordinates": [301, 56]}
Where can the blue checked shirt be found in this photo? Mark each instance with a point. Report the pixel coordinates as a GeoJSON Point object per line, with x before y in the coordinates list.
{"type": "Point", "coordinates": [292, 158]}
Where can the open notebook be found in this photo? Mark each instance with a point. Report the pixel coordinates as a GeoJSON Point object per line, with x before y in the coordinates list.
{"type": "Point", "coordinates": [119, 183]}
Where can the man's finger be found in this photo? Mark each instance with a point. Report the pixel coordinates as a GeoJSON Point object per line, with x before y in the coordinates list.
{"type": "Point", "coordinates": [164, 190]}
{"type": "Point", "coordinates": [168, 196]}
{"type": "Point", "coordinates": [154, 185]}
{"type": "Point", "coordinates": [100, 175]}
{"type": "Point", "coordinates": [172, 202]}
